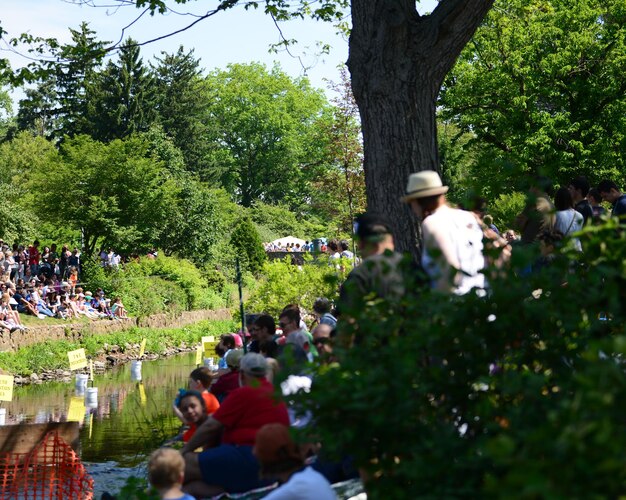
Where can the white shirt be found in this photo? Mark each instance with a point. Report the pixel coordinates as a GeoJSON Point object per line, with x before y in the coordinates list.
{"type": "Point", "coordinates": [569, 221]}
{"type": "Point", "coordinates": [453, 250]}
{"type": "Point", "coordinates": [307, 484]}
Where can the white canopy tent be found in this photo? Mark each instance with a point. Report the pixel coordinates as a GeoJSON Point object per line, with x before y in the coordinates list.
{"type": "Point", "coordinates": [291, 240]}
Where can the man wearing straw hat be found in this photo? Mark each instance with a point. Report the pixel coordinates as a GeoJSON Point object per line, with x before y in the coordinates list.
{"type": "Point", "coordinates": [452, 252]}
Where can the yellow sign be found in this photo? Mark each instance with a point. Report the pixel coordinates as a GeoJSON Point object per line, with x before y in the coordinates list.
{"type": "Point", "coordinates": [76, 411]}
{"type": "Point", "coordinates": [142, 349]}
{"type": "Point", "coordinates": [77, 359]}
{"type": "Point", "coordinates": [6, 387]}
{"type": "Point", "coordinates": [91, 369]}
{"type": "Point", "coordinates": [90, 424]}
{"type": "Point", "coordinates": [199, 355]}
{"type": "Point", "coordinates": [142, 395]}
{"type": "Point", "coordinates": [209, 344]}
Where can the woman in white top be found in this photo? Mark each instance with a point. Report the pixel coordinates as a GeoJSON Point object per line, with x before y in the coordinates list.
{"type": "Point", "coordinates": [568, 220]}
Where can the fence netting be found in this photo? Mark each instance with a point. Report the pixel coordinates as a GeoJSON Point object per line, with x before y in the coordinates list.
{"type": "Point", "coordinates": [52, 470]}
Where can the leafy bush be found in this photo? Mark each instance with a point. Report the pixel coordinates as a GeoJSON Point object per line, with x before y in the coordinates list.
{"type": "Point", "coordinates": [165, 284]}
{"type": "Point", "coordinates": [517, 394]}
{"type": "Point", "coordinates": [505, 208]}
{"type": "Point", "coordinates": [285, 283]}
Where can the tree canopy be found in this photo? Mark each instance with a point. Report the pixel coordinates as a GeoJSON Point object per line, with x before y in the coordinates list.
{"type": "Point", "coordinates": [541, 87]}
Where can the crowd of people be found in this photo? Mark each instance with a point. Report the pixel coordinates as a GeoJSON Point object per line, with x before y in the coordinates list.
{"type": "Point", "coordinates": [238, 437]}
{"type": "Point", "coordinates": [45, 283]}
{"type": "Point", "coordinates": [236, 434]}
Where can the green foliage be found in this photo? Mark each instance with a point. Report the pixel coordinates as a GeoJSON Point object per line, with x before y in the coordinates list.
{"type": "Point", "coordinates": [284, 283]}
{"type": "Point", "coordinates": [516, 394]}
{"type": "Point", "coordinates": [123, 96]}
{"type": "Point", "coordinates": [51, 355]}
{"type": "Point", "coordinates": [137, 488]}
{"type": "Point", "coordinates": [541, 87]}
{"type": "Point", "coordinates": [260, 135]}
{"type": "Point", "coordinates": [505, 208]}
{"type": "Point", "coordinates": [162, 285]}
{"type": "Point", "coordinates": [246, 242]}
{"type": "Point", "coordinates": [181, 105]}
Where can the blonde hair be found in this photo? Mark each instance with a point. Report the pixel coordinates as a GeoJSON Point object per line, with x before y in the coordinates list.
{"type": "Point", "coordinates": [165, 468]}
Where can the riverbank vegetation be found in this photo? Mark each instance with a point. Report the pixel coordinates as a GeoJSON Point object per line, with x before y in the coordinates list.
{"type": "Point", "coordinates": [52, 355]}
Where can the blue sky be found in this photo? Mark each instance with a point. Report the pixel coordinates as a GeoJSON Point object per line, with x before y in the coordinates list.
{"type": "Point", "coordinates": [229, 37]}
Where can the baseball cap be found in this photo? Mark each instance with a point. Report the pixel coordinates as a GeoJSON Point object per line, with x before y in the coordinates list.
{"type": "Point", "coordinates": [371, 226]}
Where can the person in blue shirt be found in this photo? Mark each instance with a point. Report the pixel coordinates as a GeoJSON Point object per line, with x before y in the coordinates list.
{"type": "Point", "coordinates": [611, 193]}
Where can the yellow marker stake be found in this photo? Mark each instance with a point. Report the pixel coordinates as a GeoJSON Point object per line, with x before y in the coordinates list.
{"type": "Point", "coordinates": [199, 355]}
{"type": "Point", "coordinates": [91, 370]}
{"type": "Point", "coordinates": [90, 424]}
{"type": "Point", "coordinates": [6, 387]}
{"type": "Point", "coordinates": [77, 359]}
{"type": "Point", "coordinates": [142, 349]}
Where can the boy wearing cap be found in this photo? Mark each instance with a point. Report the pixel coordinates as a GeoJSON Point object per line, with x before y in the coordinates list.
{"type": "Point", "coordinates": [452, 252]}
{"type": "Point", "coordinates": [230, 466]}
{"type": "Point", "coordinates": [281, 459]}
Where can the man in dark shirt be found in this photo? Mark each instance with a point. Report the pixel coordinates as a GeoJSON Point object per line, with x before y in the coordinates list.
{"type": "Point", "coordinates": [379, 274]}
{"type": "Point", "coordinates": [611, 193]}
{"type": "Point", "coordinates": [579, 188]}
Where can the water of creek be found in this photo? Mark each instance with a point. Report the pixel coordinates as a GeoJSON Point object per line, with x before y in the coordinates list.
{"type": "Point", "coordinates": [131, 418]}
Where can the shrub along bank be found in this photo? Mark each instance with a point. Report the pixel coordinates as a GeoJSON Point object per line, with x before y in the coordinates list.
{"type": "Point", "coordinates": [161, 285]}
{"type": "Point", "coordinates": [52, 355]}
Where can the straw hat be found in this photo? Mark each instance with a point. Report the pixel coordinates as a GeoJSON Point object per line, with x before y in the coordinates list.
{"type": "Point", "coordinates": [423, 184]}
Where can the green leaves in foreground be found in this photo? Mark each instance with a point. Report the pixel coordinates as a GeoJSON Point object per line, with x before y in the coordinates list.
{"type": "Point", "coordinates": [516, 394]}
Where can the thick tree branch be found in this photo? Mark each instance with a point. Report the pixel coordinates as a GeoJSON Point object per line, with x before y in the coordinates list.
{"type": "Point", "coordinates": [453, 24]}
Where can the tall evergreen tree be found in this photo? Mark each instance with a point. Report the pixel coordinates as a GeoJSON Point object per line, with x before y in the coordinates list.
{"type": "Point", "coordinates": [123, 96]}
{"type": "Point", "coordinates": [76, 70]}
{"type": "Point", "coordinates": [38, 110]}
{"type": "Point", "coordinates": [181, 105]}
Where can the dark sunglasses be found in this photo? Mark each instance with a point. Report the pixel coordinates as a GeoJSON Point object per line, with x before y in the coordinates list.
{"type": "Point", "coordinates": [322, 341]}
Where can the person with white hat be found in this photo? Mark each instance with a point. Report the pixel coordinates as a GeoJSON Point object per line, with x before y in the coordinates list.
{"type": "Point", "coordinates": [452, 252]}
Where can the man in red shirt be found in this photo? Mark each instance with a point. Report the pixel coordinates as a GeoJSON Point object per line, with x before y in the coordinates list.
{"type": "Point", "coordinates": [231, 466]}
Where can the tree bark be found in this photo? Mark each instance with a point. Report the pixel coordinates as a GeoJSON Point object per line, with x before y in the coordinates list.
{"type": "Point", "coordinates": [398, 60]}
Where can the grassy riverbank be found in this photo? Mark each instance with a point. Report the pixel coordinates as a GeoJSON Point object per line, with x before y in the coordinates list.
{"type": "Point", "coordinates": [52, 355]}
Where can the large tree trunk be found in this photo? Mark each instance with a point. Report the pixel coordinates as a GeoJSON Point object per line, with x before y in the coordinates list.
{"type": "Point", "coordinates": [398, 60]}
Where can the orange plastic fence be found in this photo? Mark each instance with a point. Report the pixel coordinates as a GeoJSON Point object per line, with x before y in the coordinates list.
{"type": "Point", "coordinates": [52, 470]}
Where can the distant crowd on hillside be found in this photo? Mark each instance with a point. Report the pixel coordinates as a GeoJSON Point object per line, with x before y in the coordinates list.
{"type": "Point", "coordinates": [45, 282]}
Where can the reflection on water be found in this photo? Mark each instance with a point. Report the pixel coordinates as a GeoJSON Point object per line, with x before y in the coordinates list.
{"type": "Point", "coordinates": [124, 422]}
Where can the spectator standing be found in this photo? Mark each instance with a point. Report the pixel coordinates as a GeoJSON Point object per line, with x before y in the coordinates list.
{"type": "Point", "coordinates": [595, 201]}
{"type": "Point", "coordinates": [579, 189]}
{"type": "Point", "coordinates": [452, 252]}
{"type": "Point", "coordinates": [345, 250]}
{"type": "Point", "coordinates": [33, 258]}
{"type": "Point", "coordinates": [537, 216]}
{"type": "Point", "coordinates": [568, 220]}
{"type": "Point", "coordinates": [611, 193]}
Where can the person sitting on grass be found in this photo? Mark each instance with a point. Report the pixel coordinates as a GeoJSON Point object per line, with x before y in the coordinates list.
{"type": "Point", "coordinates": [166, 470]}
{"type": "Point", "coordinates": [118, 310]}
{"type": "Point", "coordinates": [228, 381]}
{"type": "Point", "coordinates": [191, 409]}
{"type": "Point", "coordinates": [200, 379]}
{"type": "Point", "coordinates": [280, 458]}
{"type": "Point", "coordinates": [227, 464]}
{"type": "Point", "coordinates": [9, 318]}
